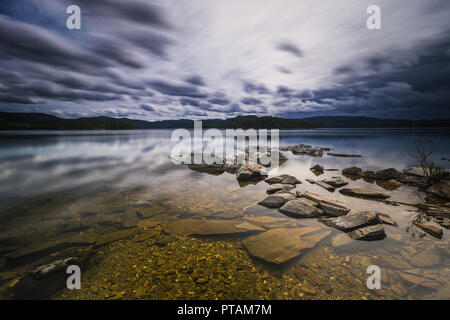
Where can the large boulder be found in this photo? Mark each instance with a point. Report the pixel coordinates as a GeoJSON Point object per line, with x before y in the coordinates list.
{"type": "Point", "coordinates": [277, 200]}
{"type": "Point", "coordinates": [251, 172]}
{"type": "Point", "coordinates": [363, 193]}
{"type": "Point", "coordinates": [299, 209]}
{"type": "Point", "coordinates": [440, 189]}
{"type": "Point", "coordinates": [283, 244]}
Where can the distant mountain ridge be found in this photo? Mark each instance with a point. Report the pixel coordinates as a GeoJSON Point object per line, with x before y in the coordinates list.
{"type": "Point", "coordinates": [42, 121]}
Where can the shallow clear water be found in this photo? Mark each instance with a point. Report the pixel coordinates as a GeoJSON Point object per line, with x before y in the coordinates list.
{"type": "Point", "coordinates": [67, 194]}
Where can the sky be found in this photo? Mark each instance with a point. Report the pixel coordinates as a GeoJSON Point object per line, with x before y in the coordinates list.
{"type": "Point", "coordinates": [199, 59]}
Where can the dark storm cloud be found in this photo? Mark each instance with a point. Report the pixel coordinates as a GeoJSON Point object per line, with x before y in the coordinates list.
{"type": "Point", "coordinates": [283, 70]}
{"type": "Point", "coordinates": [134, 10]}
{"type": "Point", "coordinates": [195, 80]}
{"type": "Point", "coordinates": [401, 84]}
{"type": "Point", "coordinates": [251, 101]}
{"type": "Point", "coordinates": [176, 90]}
{"type": "Point", "coordinates": [290, 48]}
{"type": "Point", "coordinates": [289, 93]}
{"type": "Point", "coordinates": [33, 43]}
{"type": "Point", "coordinates": [250, 88]}
{"type": "Point", "coordinates": [221, 101]}
{"type": "Point", "coordinates": [146, 107]}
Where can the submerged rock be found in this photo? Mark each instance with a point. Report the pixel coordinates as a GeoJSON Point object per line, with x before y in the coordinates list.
{"type": "Point", "coordinates": [279, 187]}
{"type": "Point", "coordinates": [51, 268]}
{"type": "Point", "coordinates": [276, 200]}
{"type": "Point", "coordinates": [369, 233]}
{"type": "Point", "coordinates": [283, 179]}
{"type": "Point", "coordinates": [281, 245]}
{"type": "Point", "coordinates": [201, 227]}
{"type": "Point", "coordinates": [386, 219]}
{"type": "Point", "coordinates": [363, 192]}
{"type": "Point", "coordinates": [271, 222]}
{"type": "Point", "coordinates": [299, 209]}
{"type": "Point", "coordinates": [431, 229]}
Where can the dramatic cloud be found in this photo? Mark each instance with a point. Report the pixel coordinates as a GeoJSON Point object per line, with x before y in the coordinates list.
{"type": "Point", "coordinates": [167, 59]}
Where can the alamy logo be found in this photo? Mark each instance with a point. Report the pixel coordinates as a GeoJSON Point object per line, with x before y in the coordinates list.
{"type": "Point", "coordinates": [374, 280]}
{"type": "Point", "coordinates": [73, 22]}
{"type": "Point", "coordinates": [74, 280]}
{"type": "Point", "coordinates": [374, 20]}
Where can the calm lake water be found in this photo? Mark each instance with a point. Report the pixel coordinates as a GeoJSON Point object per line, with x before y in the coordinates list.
{"type": "Point", "coordinates": [76, 194]}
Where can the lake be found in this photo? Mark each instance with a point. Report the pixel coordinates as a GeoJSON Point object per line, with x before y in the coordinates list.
{"type": "Point", "coordinates": [116, 202]}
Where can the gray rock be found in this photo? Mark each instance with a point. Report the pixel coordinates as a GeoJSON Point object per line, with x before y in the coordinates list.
{"type": "Point", "coordinates": [311, 181]}
{"type": "Point", "coordinates": [279, 187]}
{"type": "Point", "coordinates": [317, 167]}
{"type": "Point", "coordinates": [276, 200]}
{"type": "Point", "coordinates": [369, 233]}
{"type": "Point", "coordinates": [335, 182]}
{"type": "Point", "coordinates": [251, 172]}
{"type": "Point", "coordinates": [386, 219]}
{"type": "Point", "coordinates": [324, 185]}
{"type": "Point", "coordinates": [299, 209]}
{"type": "Point", "coordinates": [355, 171]}
{"type": "Point", "coordinates": [352, 221]}
{"type": "Point", "coordinates": [284, 179]}
{"type": "Point", "coordinates": [334, 210]}
{"type": "Point", "coordinates": [368, 174]}
{"type": "Point", "coordinates": [363, 193]}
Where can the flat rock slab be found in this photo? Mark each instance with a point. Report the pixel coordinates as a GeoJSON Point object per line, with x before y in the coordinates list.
{"type": "Point", "coordinates": [203, 227]}
{"type": "Point", "coordinates": [276, 200]}
{"type": "Point", "coordinates": [340, 240]}
{"type": "Point", "coordinates": [334, 210]}
{"type": "Point", "coordinates": [352, 221]}
{"type": "Point", "coordinates": [346, 155]}
{"type": "Point", "coordinates": [369, 233]}
{"type": "Point", "coordinates": [386, 219]}
{"type": "Point", "coordinates": [335, 182]}
{"type": "Point", "coordinates": [425, 258]}
{"type": "Point", "coordinates": [324, 185]}
{"type": "Point", "coordinates": [271, 222]}
{"type": "Point", "coordinates": [283, 179]}
{"type": "Point", "coordinates": [299, 209]}
{"type": "Point", "coordinates": [330, 207]}
{"type": "Point", "coordinates": [251, 172]}
{"type": "Point", "coordinates": [117, 235]}
{"type": "Point", "coordinates": [250, 227]}
{"type": "Point", "coordinates": [363, 193]}
{"type": "Point", "coordinates": [279, 187]}
{"type": "Point", "coordinates": [281, 245]}
{"type": "Point", "coordinates": [431, 229]}
{"type": "Point", "coordinates": [354, 171]}
{"type": "Point", "coordinates": [312, 181]}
